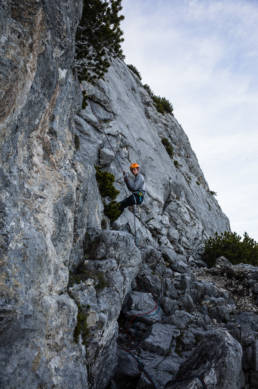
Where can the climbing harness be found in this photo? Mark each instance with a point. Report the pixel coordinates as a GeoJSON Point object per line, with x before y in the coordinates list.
{"type": "Point", "coordinates": [138, 197]}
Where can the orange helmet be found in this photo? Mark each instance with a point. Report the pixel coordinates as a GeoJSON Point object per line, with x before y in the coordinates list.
{"type": "Point", "coordinates": [134, 165]}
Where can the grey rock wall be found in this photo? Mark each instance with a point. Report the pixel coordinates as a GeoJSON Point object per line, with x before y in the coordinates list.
{"type": "Point", "coordinates": [120, 125]}
{"type": "Point", "coordinates": [38, 195]}
{"type": "Point", "coordinates": [80, 304]}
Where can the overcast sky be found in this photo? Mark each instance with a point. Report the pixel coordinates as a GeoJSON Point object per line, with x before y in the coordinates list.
{"type": "Point", "coordinates": [203, 56]}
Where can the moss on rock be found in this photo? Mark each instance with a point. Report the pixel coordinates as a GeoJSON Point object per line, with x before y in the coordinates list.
{"type": "Point", "coordinates": [82, 274]}
{"type": "Point", "coordinates": [81, 327]}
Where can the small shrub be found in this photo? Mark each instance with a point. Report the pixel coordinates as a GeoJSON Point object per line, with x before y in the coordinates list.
{"type": "Point", "coordinates": [176, 163]}
{"type": "Point", "coordinates": [231, 246]}
{"type": "Point", "coordinates": [148, 89]}
{"type": "Point", "coordinates": [198, 183]}
{"type": "Point", "coordinates": [168, 147]}
{"type": "Point", "coordinates": [98, 38]}
{"type": "Point", "coordinates": [135, 71]}
{"type": "Point", "coordinates": [112, 210]}
{"type": "Point", "coordinates": [105, 183]}
{"type": "Point", "coordinates": [162, 105]}
{"type": "Point", "coordinates": [212, 193]}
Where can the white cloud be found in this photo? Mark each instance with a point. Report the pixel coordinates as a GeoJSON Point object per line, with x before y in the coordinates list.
{"type": "Point", "coordinates": [203, 56]}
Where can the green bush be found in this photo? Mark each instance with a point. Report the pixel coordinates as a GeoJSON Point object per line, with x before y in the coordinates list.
{"type": "Point", "coordinates": [162, 104]}
{"type": "Point", "coordinates": [231, 246]}
{"type": "Point", "coordinates": [212, 193]}
{"type": "Point", "coordinates": [135, 71]}
{"type": "Point", "coordinates": [148, 89]}
{"type": "Point", "coordinates": [168, 147]}
{"type": "Point", "coordinates": [105, 182]}
{"type": "Point", "coordinates": [98, 38]}
{"type": "Point", "coordinates": [112, 210]}
{"type": "Point", "coordinates": [176, 163]}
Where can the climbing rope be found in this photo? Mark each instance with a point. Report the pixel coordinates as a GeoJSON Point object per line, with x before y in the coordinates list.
{"type": "Point", "coordinates": [110, 144]}
{"type": "Point", "coordinates": [135, 236]}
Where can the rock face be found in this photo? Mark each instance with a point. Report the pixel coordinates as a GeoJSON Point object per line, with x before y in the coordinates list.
{"type": "Point", "coordinates": [85, 303]}
{"type": "Point", "coordinates": [120, 119]}
{"type": "Point", "coordinates": [38, 195]}
{"type": "Point", "coordinates": [215, 363]}
{"type": "Point", "coordinates": [99, 287]}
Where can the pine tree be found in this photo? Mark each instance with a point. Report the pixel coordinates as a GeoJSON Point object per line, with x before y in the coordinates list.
{"type": "Point", "coordinates": [98, 38]}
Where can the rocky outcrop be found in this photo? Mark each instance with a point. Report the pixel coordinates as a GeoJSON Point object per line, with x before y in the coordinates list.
{"type": "Point", "coordinates": [215, 363]}
{"type": "Point", "coordinates": [241, 280]}
{"type": "Point", "coordinates": [38, 195]}
{"type": "Point", "coordinates": [99, 287]}
{"type": "Point", "coordinates": [172, 323]}
{"type": "Point", "coordinates": [120, 124]}
{"type": "Point", "coordinates": [84, 301]}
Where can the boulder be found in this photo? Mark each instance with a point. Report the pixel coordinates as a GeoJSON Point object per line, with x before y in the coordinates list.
{"type": "Point", "coordinates": [160, 339]}
{"type": "Point", "coordinates": [214, 364]}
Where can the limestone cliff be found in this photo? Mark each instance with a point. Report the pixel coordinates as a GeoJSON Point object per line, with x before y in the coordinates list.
{"type": "Point", "coordinates": [71, 282]}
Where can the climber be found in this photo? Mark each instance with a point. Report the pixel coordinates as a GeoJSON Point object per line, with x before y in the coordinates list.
{"type": "Point", "coordinates": [135, 185]}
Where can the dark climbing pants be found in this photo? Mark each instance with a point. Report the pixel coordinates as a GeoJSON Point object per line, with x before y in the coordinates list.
{"type": "Point", "coordinates": [131, 200]}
